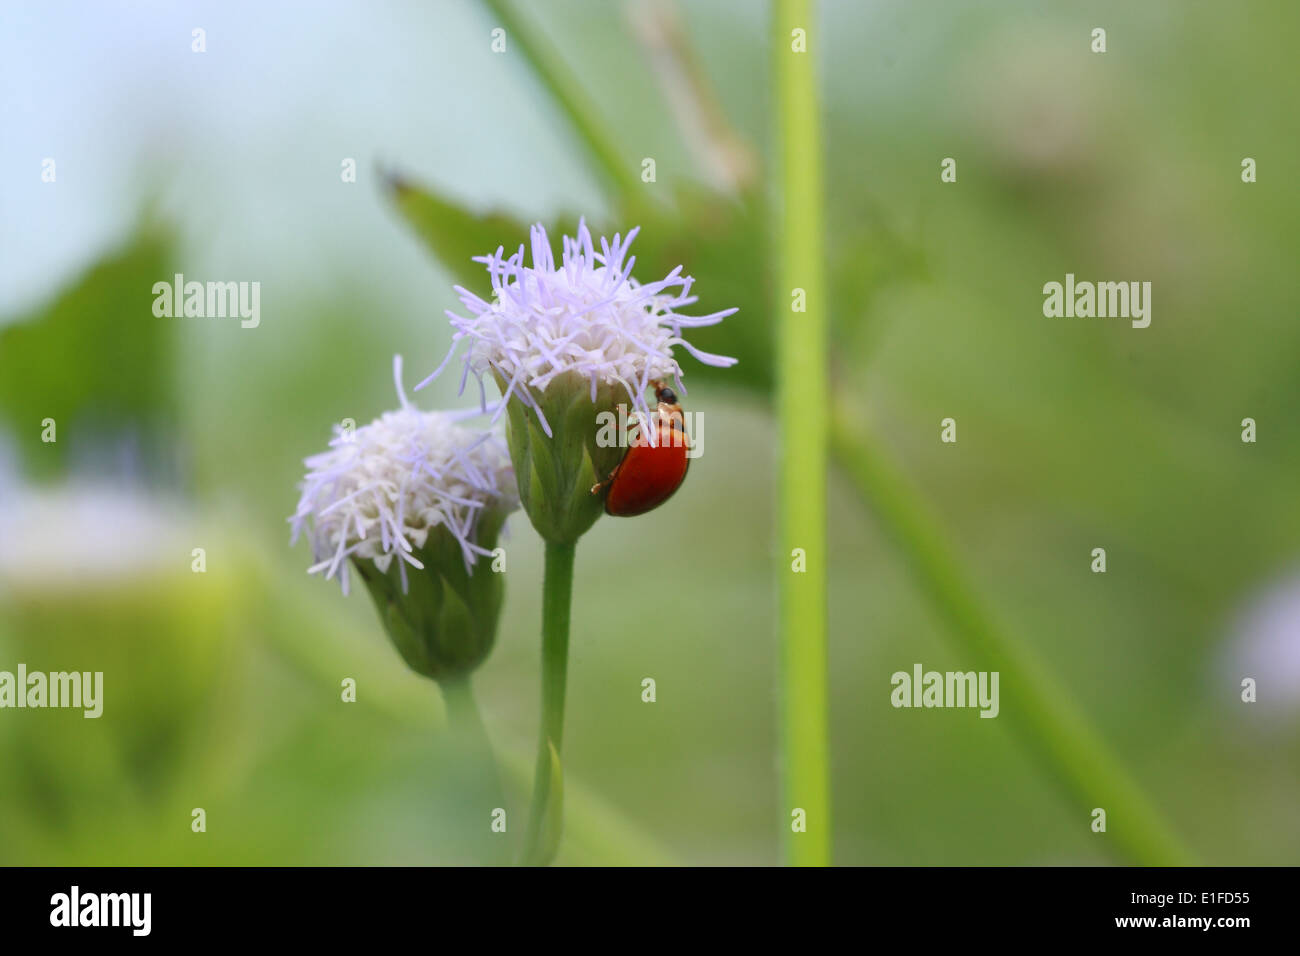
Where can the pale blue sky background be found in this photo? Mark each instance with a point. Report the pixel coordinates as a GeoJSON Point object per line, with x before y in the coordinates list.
{"type": "Point", "coordinates": [243, 143]}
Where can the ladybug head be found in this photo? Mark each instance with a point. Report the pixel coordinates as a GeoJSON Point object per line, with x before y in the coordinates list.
{"type": "Point", "coordinates": [663, 394]}
{"type": "Point", "coordinates": [669, 411]}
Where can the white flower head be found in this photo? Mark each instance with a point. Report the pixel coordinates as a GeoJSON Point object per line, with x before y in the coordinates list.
{"type": "Point", "coordinates": [1265, 644]}
{"type": "Point", "coordinates": [382, 489]}
{"type": "Point", "coordinates": [587, 316]}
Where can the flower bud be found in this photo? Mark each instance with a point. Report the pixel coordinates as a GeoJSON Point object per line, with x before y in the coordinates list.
{"type": "Point", "coordinates": [412, 502]}
{"type": "Point", "coordinates": [442, 618]}
{"type": "Point", "coordinates": [556, 472]}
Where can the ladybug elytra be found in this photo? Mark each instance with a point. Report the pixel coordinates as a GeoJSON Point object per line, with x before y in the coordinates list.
{"type": "Point", "coordinates": [649, 474]}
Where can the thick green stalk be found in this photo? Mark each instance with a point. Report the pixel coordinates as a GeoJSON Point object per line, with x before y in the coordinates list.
{"type": "Point", "coordinates": [557, 594]}
{"type": "Point", "coordinates": [463, 714]}
{"type": "Point", "coordinates": [568, 94]}
{"type": "Point", "coordinates": [467, 725]}
{"type": "Point", "coordinates": [802, 395]}
{"type": "Point", "coordinates": [1031, 700]}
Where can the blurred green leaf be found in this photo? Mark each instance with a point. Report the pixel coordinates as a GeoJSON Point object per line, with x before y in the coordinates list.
{"type": "Point", "coordinates": [720, 241]}
{"type": "Point", "coordinates": [868, 255]}
{"type": "Point", "coordinates": [452, 233]}
{"type": "Point", "coordinates": [95, 359]}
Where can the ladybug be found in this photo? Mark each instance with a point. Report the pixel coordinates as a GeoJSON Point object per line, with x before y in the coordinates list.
{"type": "Point", "coordinates": [649, 474]}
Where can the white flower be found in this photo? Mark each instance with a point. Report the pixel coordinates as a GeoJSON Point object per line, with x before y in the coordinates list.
{"type": "Point", "coordinates": [381, 490]}
{"type": "Point", "coordinates": [1265, 645]}
{"type": "Point", "coordinates": [83, 534]}
{"type": "Point", "coordinates": [588, 316]}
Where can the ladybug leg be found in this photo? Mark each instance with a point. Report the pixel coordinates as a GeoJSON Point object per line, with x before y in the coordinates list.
{"type": "Point", "coordinates": [600, 486]}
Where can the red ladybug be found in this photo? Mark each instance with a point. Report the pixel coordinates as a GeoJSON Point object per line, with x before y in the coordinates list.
{"type": "Point", "coordinates": [649, 474]}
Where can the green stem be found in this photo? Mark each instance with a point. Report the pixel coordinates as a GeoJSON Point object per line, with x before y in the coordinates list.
{"type": "Point", "coordinates": [466, 723]}
{"type": "Point", "coordinates": [557, 594]}
{"type": "Point", "coordinates": [317, 644]}
{"type": "Point", "coordinates": [463, 714]}
{"type": "Point", "coordinates": [801, 403]}
{"type": "Point", "coordinates": [567, 93]}
{"type": "Point", "coordinates": [1036, 706]}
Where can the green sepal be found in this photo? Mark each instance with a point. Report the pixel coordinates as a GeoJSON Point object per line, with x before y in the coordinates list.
{"type": "Point", "coordinates": [556, 472]}
{"type": "Point", "coordinates": [444, 624]}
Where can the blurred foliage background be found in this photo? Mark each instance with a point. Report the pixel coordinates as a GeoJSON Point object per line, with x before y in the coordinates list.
{"type": "Point", "coordinates": [223, 688]}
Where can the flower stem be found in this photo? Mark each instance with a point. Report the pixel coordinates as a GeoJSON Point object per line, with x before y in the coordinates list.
{"type": "Point", "coordinates": [484, 789]}
{"type": "Point", "coordinates": [319, 646]}
{"type": "Point", "coordinates": [557, 595]}
{"type": "Point", "coordinates": [801, 403]}
{"type": "Point", "coordinates": [463, 714]}
{"type": "Point", "coordinates": [567, 93]}
{"type": "Point", "coordinates": [1034, 704]}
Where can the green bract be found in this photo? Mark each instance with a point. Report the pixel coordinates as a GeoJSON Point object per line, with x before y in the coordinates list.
{"type": "Point", "coordinates": [445, 622]}
{"type": "Point", "coordinates": [556, 472]}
